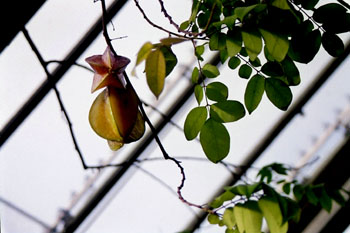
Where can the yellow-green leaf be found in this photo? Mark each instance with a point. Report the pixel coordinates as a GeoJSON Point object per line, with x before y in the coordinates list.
{"type": "Point", "coordinates": [276, 45]}
{"type": "Point", "coordinates": [254, 92]}
{"type": "Point", "coordinates": [282, 4]}
{"type": "Point", "coordinates": [215, 140]}
{"type": "Point", "coordinates": [143, 52]}
{"type": "Point", "coordinates": [172, 40]}
{"type": "Point", "coordinates": [228, 218]}
{"type": "Point", "coordinates": [273, 215]}
{"type": "Point", "coordinates": [227, 111]}
{"type": "Point", "coordinates": [155, 71]}
{"type": "Point", "coordinates": [252, 42]}
{"type": "Point", "coordinates": [248, 217]}
{"type": "Point", "coordinates": [241, 12]}
{"type": "Point", "coordinates": [194, 122]}
{"type": "Point", "coordinates": [210, 71]}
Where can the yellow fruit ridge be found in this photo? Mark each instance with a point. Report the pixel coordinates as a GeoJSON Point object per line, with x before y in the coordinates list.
{"type": "Point", "coordinates": [124, 105]}
{"type": "Point", "coordinates": [102, 120]}
{"type": "Point", "coordinates": [138, 130]}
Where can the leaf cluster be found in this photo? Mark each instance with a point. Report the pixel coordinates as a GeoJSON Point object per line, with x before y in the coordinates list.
{"type": "Point", "coordinates": [246, 33]}
{"type": "Point", "coordinates": [263, 39]}
{"type": "Point", "coordinates": [244, 206]}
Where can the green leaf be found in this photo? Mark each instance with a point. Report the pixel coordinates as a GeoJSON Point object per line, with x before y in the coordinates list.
{"type": "Point", "coordinates": [223, 56]}
{"type": "Point", "coordinates": [332, 44]}
{"type": "Point", "coordinates": [304, 45]}
{"type": "Point", "coordinates": [194, 122]}
{"type": "Point", "coordinates": [325, 200]}
{"type": "Point", "coordinates": [277, 45]}
{"type": "Point", "coordinates": [172, 40]}
{"type": "Point", "coordinates": [291, 71]}
{"type": "Point", "coordinates": [245, 189]}
{"type": "Point", "coordinates": [311, 196]}
{"type": "Point", "coordinates": [210, 71]}
{"type": "Point", "coordinates": [333, 17]}
{"type": "Point", "coordinates": [273, 69]}
{"type": "Point", "coordinates": [286, 188]}
{"type": "Point", "coordinates": [199, 51]}
{"type": "Point", "coordinates": [194, 11]}
{"type": "Point", "coordinates": [243, 52]}
{"type": "Point", "coordinates": [245, 71]}
{"type": "Point", "coordinates": [254, 92]}
{"type": "Point", "coordinates": [248, 217]}
{"type": "Point", "coordinates": [213, 219]}
{"type": "Point", "coordinates": [198, 93]}
{"type": "Point", "coordinates": [282, 4]}
{"type": "Point", "coordinates": [195, 75]}
{"type": "Point", "coordinates": [289, 208]}
{"type": "Point", "coordinates": [202, 19]}
{"type": "Point", "coordinates": [279, 168]}
{"type": "Point", "coordinates": [229, 21]}
{"type": "Point", "coordinates": [155, 71]}
{"type": "Point", "coordinates": [234, 42]}
{"type": "Point", "coordinates": [217, 41]}
{"type": "Point", "coordinates": [298, 192]}
{"type": "Point", "coordinates": [170, 59]}
{"type": "Point", "coordinates": [215, 140]}
{"type": "Point", "coordinates": [228, 218]}
{"type": "Point", "coordinates": [309, 4]}
{"type": "Point", "coordinates": [256, 62]}
{"type": "Point", "coordinates": [272, 213]}
{"type": "Point", "coordinates": [217, 91]}
{"type": "Point", "coordinates": [219, 201]}
{"type": "Point", "coordinates": [143, 52]}
{"type": "Point", "coordinates": [231, 230]}
{"type": "Point", "coordinates": [322, 13]}
{"type": "Point", "coordinates": [184, 25]}
{"type": "Point", "coordinates": [278, 93]}
{"type": "Point", "coordinates": [241, 12]}
{"type": "Point", "coordinates": [227, 111]}
{"type": "Point", "coordinates": [265, 172]}
{"type": "Point", "coordinates": [337, 196]}
{"type": "Point", "coordinates": [252, 42]}
{"type": "Point", "coordinates": [234, 62]}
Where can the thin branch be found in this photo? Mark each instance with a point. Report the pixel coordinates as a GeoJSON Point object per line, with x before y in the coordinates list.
{"type": "Point", "coordinates": [25, 214]}
{"type": "Point", "coordinates": [63, 109]}
{"type": "Point", "coordinates": [193, 34]}
{"type": "Point", "coordinates": [308, 16]}
{"type": "Point", "coordinates": [165, 117]}
{"type": "Point", "coordinates": [201, 76]}
{"type": "Point", "coordinates": [75, 63]}
{"type": "Point", "coordinates": [161, 182]}
{"type": "Point", "coordinates": [248, 63]}
{"type": "Point", "coordinates": [153, 24]}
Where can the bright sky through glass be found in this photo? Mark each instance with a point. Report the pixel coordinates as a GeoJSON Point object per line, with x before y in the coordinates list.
{"type": "Point", "coordinates": [41, 174]}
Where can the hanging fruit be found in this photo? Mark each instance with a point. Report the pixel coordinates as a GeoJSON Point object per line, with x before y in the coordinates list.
{"type": "Point", "coordinates": [114, 115]}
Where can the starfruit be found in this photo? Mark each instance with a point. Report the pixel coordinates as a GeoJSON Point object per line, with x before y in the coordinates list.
{"type": "Point", "coordinates": [108, 70]}
{"type": "Point", "coordinates": [114, 115]}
